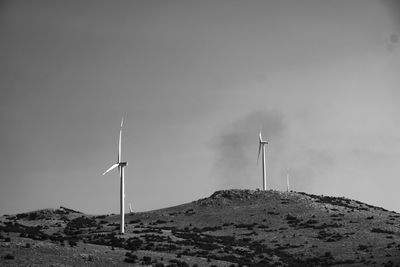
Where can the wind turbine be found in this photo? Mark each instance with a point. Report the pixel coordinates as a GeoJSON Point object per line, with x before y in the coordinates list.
{"type": "Point", "coordinates": [262, 144]}
{"type": "Point", "coordinates": [120, 164]}
{"type": "Point", "coordinates": [287, 182]}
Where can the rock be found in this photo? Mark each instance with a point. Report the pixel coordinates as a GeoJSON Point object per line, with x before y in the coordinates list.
{"type": "Point", "coordinates": [86, 256]}
{"type": "Point", "coordinates": [5, 244]}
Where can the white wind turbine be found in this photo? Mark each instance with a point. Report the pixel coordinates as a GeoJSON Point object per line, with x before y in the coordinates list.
{"type": "Point", "coordinates": [262, 144]}
{"type": "Point", "coordinates": [287, 181]}
{"type": "Point", "coordinates": [120, 164]}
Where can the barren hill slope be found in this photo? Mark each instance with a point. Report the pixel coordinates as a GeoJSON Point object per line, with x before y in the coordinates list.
{"type": "Point", "coordinates": [231, 227]}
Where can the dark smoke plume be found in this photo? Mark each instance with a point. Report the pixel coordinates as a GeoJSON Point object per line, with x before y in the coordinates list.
{"type": "Point", "coordinates": [236, 147]}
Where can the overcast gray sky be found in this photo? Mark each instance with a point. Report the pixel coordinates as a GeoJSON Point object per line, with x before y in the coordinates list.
{"type": "Point", "coordinates": [195, 81]}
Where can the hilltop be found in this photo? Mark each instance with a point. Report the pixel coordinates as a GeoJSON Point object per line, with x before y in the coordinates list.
{"type": "Point", "coordinates": [229, 228]}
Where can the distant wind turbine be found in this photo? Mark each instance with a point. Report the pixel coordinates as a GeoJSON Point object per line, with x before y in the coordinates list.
{"type": "Point", "coordinates": [120, 164]}
{"type": "Point", "coordinates": [262, 144]}
{"type": "Point", "coordinates": [130, 208]}
{"type": "Point", "coordinates": [287, 182]}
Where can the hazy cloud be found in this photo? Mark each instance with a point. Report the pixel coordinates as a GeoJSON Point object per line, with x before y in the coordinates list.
{"type": "Point", "coordinates": [394, 38]}
{"type": "Point", "coordinates": [393, 7]}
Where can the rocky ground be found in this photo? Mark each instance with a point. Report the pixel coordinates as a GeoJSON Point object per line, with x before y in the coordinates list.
{"type": "Point", "coordinates": [229, 228]}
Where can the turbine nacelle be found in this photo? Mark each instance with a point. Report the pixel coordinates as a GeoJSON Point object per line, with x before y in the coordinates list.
{"type": "Point", "coordinates": [120, 164]}
{"type": "Point", "coordinates": [261, 140]}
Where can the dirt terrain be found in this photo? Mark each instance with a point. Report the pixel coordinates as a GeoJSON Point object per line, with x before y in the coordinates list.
{"type": "Point", "coordinates": [229, 228]}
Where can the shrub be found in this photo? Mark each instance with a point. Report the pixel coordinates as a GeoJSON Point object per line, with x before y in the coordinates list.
{"type": "Point", "coordinates": [146, 259]}
{"type": "Point", "coordinates": [362, 247]}
{"type": "Point", "coordinates": [130, 258]}
{"type": "Point", "coordinates": [73, 227]}
{"type": "Point", "coordinates": [9, 257]}
{"type": "Point", "coordinates": [210, 228]}
{"type": "Point", "coordinates": [133, 243]}
{"type": "Point", "coordinates": [292, 220]}
{"type": "Point", "coordinates": [383, 231]}
{"type": "Point", "coordinates": [72, 243]}
{"type": "Point", "coordinates": [179, 263]}
{"type": "Point", "coordinates": [21, 216]}
{"type": "Point", "coordinates": [244, 225]}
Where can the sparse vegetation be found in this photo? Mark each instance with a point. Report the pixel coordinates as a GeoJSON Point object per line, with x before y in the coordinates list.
{"type": "Point", "coordinates": [260, 230]}
{"type": "Point", "coordinates": [146, 260]}
{"type": "Point", "coordinates": [383, 231]}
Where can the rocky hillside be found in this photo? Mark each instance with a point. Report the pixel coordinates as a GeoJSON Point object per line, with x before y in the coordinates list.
{"type": "Point", "coordinates": [229, 228]}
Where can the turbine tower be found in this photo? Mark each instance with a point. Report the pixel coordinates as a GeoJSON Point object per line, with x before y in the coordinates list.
{"type": "Point", "coordinates": [120, 164]}
{"type": "Point", "coordinates": [262, 144]}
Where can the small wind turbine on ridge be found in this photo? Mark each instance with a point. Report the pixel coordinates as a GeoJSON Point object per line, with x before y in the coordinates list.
{"type": "Point", "coordinates": [262, 144]}
{"type": "Point", "coordinates": [120, 164]}
{"type": "Point", "coordinates": [287, 181]}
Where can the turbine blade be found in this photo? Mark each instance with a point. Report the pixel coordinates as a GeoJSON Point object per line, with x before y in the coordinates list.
{"type": "Point", "coordinates": [119, 141]}
{"type": "Point", "coordinates": [260, 136]}
{"type": "Point", "coordinates": [111, 168]}
{"type": "Point", "coordinates": [259, 150]}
